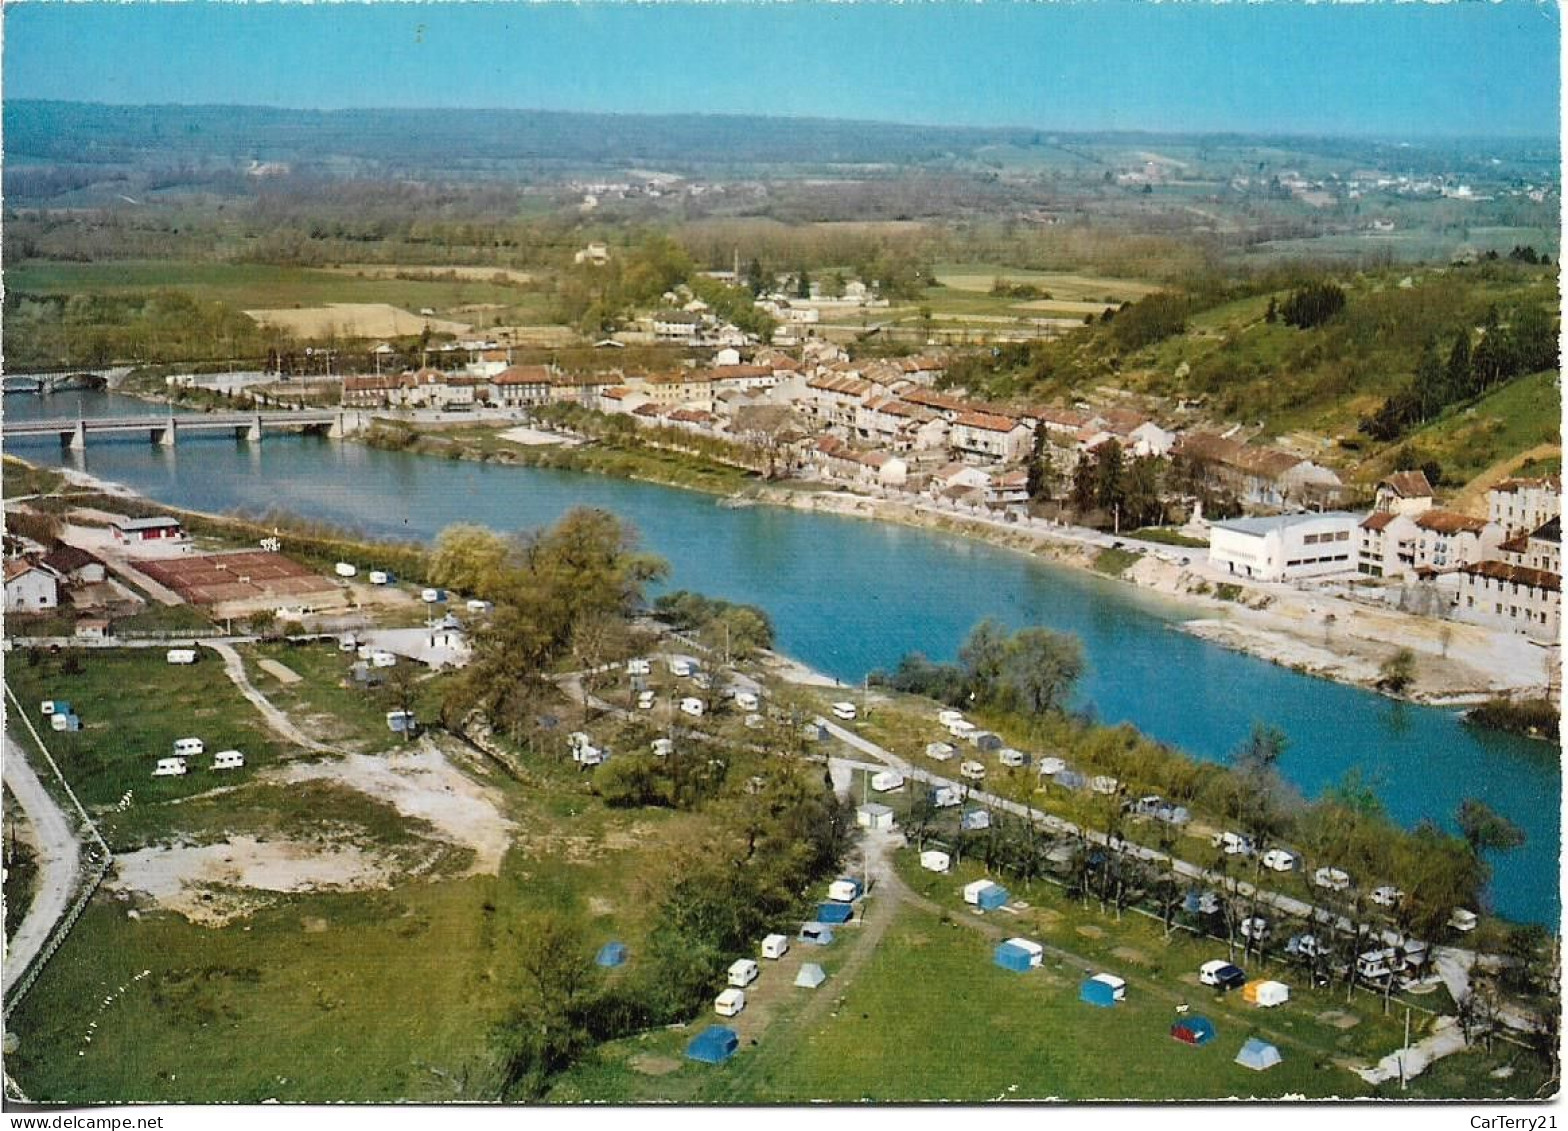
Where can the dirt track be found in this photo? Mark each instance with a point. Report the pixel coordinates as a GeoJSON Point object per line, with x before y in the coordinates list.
{"type": "Point", "coordinates": [59, 858]}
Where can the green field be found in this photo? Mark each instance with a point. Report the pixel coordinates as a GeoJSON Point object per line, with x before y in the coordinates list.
{"type": "Point", "coordinates": [252, 286]}
{"type": "Point", "coordinates": [133, 706]}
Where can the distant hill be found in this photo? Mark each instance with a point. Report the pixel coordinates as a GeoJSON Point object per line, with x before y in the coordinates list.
{"type": "Point", "coordinates": [477, 143]}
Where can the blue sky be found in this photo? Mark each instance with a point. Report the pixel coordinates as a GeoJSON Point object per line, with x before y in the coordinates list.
{"type": "Point", "coordinates": [1386, 69]}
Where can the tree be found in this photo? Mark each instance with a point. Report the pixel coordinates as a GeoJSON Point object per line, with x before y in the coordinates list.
{"type": "Point", "coordinates": [544, 1034]}
{"type": "Point", "coordinates": [1040, 668]}
{"type": "Point", "coordinates": [1429, 382]}
{"type": "Point", "coordinates": [1042, 473]}
{"type": "Point", "coordinates": [802, 284]}
{"type": "Point", "coordinates": [1312, 305]}
{"type": "Point", "coordinates": [1486, 830]}
{"type": "Point", "coordinates": [468, 558]}
{"type": "Point", "coordinates": [983, 653]}
{"type": "Point", "coordinates": [1456, 373]}
{"type": "Point", "coordinates": [1142, 502]}
{"type": "Point", "coordinates": [1271, 315]}
{"type": "Point", "coordinates": [1397, 672]}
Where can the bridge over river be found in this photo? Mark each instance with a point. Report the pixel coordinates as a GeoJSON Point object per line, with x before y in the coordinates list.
{"type": "Point", "coordinates": [165, 430]}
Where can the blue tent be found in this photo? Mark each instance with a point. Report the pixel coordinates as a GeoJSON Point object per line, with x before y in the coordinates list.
{"type": "Point", "coordinates": [611, 954]}
{"type": "Point", "coordinates": [818, 934]}
{"type": "Point", "coordinates": [1010, 956]}
{"type": "Point", "coordinates": [1257, 1055]}
{"type": "Point", "coordinates": [714, 1045]}
{"type": "Point", "coordinates": [1071, 779]}
{"type": "Point", "coordinates": [1193, 1030]}
{"type": "Point", "coordinates": [1096, 992]}
{"type": "Point", "coordinates": [834, 912]}
{"type": "Point", "coordinates": [992, 897]}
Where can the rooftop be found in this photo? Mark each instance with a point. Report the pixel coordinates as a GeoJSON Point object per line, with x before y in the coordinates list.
{"type": "Point", "coordinates": [1268, 523]}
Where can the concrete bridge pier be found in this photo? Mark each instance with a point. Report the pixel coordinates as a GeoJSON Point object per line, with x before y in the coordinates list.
{"type": "Point", "coordinates": [250, 432]}
{"type": "Point", "coordinates": [76, 440]}
{"type": "Point", "coordinates": [338, 429]}
{"type": "Point", "coordinates": [164, 436]}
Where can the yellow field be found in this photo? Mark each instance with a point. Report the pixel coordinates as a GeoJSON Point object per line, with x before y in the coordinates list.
{"type": "Point", "coordinates": [470, 274]}
{"type": "Point", "coordinates": [354, 320]}
{"type": "Point", "coordinates": [1062, 286]}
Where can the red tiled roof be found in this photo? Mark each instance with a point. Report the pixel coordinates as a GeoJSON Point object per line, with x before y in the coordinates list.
{"type": "Point", "coordinates": [987, 422]}
{"type": "Point", "coordinates": [522, 375]}
{"type": "Point", "coordinates": [1523, 575]}
{"type": "Point", "coordinates": [1511, 485]}
{"type": "Point", "coordinates": [1449, 522]}
{"type": "Point", "coordinates": [1378, 521]}
{"type": "Point", "coordinates": [1408, 484]}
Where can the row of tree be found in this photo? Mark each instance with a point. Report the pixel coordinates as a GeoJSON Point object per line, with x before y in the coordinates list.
{"type": "Point", "coordinates": [1525, 343]}
{"type": "Point", "coordinates": [1033, 670]}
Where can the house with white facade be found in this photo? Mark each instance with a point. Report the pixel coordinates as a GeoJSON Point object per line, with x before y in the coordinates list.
{"type": "Point", "coordinates": [1522, 505]}
{"type": "Point", "coordinates": [1387, 545]}
{"type": "Point", "coordinates": [989, 436]}
{"type": "Point", "coordinates": [521, 386]}
{"type": "Point", "coordinates": [1516, 598]}
{"type": "Point", "coordinates": [1285, 547]}
{"type": "Point", "coordinates": [1404, 492]}
{"type": "Point", "coordinates": [1447, 539]}
{"type": "Point", "coordinates": [30, 588]}
{"type": "Point", "coordinates": [1541, 549]}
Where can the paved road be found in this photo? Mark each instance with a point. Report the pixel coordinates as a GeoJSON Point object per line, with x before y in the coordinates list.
{"type": "Point", "coordinates": [59, 860]}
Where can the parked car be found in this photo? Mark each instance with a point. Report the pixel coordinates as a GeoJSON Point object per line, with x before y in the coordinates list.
{"type": "Point", "coordinates": [974, 771]}
{"type": "Point", "coordinates": [1224, 975]}
{"type": "Point", "coordinates": [844, 710]}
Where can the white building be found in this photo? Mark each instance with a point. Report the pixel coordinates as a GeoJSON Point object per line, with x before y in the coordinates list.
{"type": "Point", "coordinates": [1522, 505]}
{"type": "Point", "coordinates": [1285, 547]}
{"type": "Point", "coordinates": [1499, 595]}
{"type": "Point", "coordinates": [990, 436]}
{"type": "Point", "coordinates": [30, 588]}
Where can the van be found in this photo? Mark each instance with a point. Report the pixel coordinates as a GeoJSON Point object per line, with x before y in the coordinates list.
{"type": "Point", "coordinates": [378, 577]}
{"type": "Point", "coordinates": [844, 710]}
{"type": "Point", "coordinates": [343, 569]}
{"type": "Point", "coordinates": [743, 972]}
{"type": "Point", "coordinates": [645, 700]}
{"type": "Point", "coordinates": [228, 760]}
{"type": "Point", "coordinates": [974, 771]}
{"type": "Point", "coordinates": [169, 768]}
{"type": "Point", "coordinates": [746, 700]}
{"type": "Point", "coordinates": [729, 1003]}
{"type": "Point", "coordinates": [382, 660]}
{"type": "Point", "coordinates": [692, 707]}
{"type": "Point", "coordinates": [775, 946]}
{"type": "Point", "coordinates": [188, 747]}
{"type": "Point", "coordinates": [180, 656]}
{"type": "Point", "coordinates": [432, 596]}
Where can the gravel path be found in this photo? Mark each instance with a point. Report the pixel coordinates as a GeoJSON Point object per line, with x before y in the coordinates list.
{"type": "Point", "coordinates": [59, 860]}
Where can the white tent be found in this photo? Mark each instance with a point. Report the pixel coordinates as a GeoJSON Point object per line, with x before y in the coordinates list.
{"type": "Point", "coordinates": [1272, 993]}
{"type": "Point", "coordinates": [810, 976]}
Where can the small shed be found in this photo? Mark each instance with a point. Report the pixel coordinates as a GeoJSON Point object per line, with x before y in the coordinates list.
{"type": "Point", "coordinates": [844, 890]}
{"type": "Point", "coordinates": [835, 913]}
{"type": "Point", "coordinates": [1257, 1055]}
{"type": "Point", "coordinates": [1265, 992]}
{"type": "Point", "coordinates": [934, 861]}
{"type": "Point", "coordinates": [810, 976]}
{"type": "Point", "coordinates": [1104, 990]}
{"type": "Point", "coordinates": [611, 954]}
{"type": "Point", "coordinates": [1010, 956]}
{"type": "Point", "coordinates": [817, 934]}
{"type": "Point", "coordinates": [714, 1045]}
{"type": "Point", "coordinates": [975, 820]}
{"type": "Point", "coordinates": [775, 946]}
{"type": "Point", "coordinates": [874, 816]}
{"type": "Point", "coordinates": [1195, 1031]}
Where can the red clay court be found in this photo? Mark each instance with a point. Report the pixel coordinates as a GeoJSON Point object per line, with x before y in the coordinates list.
{"type": "Point", "coordinates": [207, 579]}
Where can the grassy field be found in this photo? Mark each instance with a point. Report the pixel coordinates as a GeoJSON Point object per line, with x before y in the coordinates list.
{"type": "Point", "coordinates": [18, 478]}
{"type": "Point", "coordinates": [133, 706]}
{"type": "Point", "coordinates": [930, 1017]}
{"type": "Point", "coordinates": [1066, 286]}
{"type": "Point", "coordinates": [255, 285]}
{"type": "Point", "coordinates": [369, 996]}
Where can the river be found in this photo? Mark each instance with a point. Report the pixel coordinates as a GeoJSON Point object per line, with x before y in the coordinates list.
{"type": "Point", "coordinates": [847, 596]}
